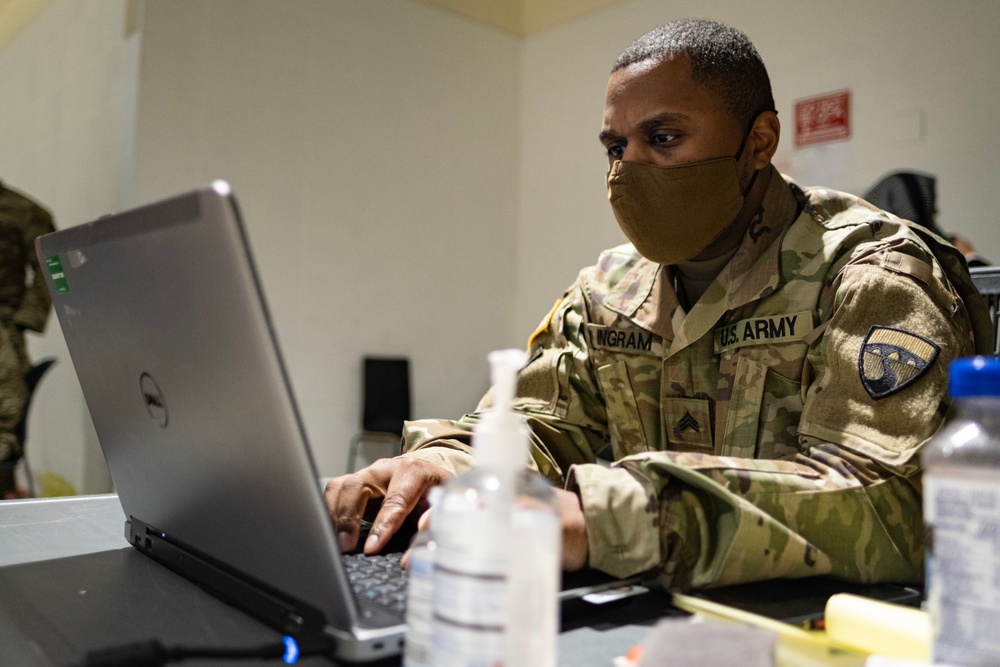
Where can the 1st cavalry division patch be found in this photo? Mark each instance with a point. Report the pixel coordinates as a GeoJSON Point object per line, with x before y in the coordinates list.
{"type": "Point", "coordinates": [892, 359]}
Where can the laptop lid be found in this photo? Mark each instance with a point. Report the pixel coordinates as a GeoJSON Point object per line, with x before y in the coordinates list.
{"type": "Point", "coordinates": [165, 321]}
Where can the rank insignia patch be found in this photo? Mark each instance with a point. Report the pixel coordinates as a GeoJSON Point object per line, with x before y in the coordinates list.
{"type": "Point", "coordinates": [688, 422]}
{"type": "Point", "coordinates": [892, 359]}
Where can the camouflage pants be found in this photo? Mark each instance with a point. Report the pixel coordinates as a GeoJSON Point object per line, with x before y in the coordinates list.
{"type": "Point", "coordinates": [13, 393]}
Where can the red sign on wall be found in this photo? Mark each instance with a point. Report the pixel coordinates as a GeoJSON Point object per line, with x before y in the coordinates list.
{"type": "Point", "coordinates": [823, 118]}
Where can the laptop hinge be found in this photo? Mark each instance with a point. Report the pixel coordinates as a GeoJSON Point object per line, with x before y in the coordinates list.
{"type": "Point", "coordinates": [279, 611]}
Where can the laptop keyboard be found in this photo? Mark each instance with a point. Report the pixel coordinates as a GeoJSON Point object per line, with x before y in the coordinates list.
{"type": "Point", "coordinates": [379, 578]}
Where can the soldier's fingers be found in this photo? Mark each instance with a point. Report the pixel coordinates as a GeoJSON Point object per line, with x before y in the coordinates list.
{"type": "Point", "coordinates": [424, 522]}
{"type": "Point", "coordinates": [401, 497]}
{"type": "Point", "coordinates": [346, 498]}
{"type": "Point", "coordinates": [410, 481]}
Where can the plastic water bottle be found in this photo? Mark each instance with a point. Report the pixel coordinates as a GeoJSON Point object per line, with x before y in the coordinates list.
{"type": "Point", "coordinates": [420, 593]}
{"type": "Point", "coordinates": [497, 563]}
{"type": "Point", "coordinates": [962, 512]}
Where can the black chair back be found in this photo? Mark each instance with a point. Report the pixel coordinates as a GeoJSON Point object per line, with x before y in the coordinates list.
{"type": "Point", "coordinates": [386, 394]}
{"type": "Point", "coordinates": [386, 404]}
{"type": "Point", "coordinates": [31, 380]}
{"type": "Point", "coordinates": [987, 281]}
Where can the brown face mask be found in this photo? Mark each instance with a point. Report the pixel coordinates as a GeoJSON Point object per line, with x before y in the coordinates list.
{"type": "Point", "coordinates": [671, 214]}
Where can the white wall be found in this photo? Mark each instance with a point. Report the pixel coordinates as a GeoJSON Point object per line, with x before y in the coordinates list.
{"type": "Point", "coordinates": [373, 148]}
{"type": "Point", "coordinates": [69, 85]}
{"type": "Point", "coordinates": [901, 59]}
{"type": "Point", "coordinates": [417, 184]}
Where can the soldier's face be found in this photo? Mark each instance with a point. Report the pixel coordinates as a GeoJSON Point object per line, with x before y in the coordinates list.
{"type": "Point", "coordinates": [656, 114]}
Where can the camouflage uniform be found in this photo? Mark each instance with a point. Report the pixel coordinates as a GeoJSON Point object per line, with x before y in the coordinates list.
{"type": "Point", "coordinates": [24, 304]}
{"type": "Point", "coordinates": [773, 430]}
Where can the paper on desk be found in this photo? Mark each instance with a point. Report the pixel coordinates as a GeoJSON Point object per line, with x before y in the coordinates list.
{"type": "Point", "coordinates": [796, 647]}
{"type": "Point", "coordinates": [679, 642]}
{"type": "Point", "coordinates": [890, 630]}
{"type": "Point", "coordinates": [880, 661]}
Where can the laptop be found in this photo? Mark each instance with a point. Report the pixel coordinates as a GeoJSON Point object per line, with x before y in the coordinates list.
{"type": "Point", "coordinates": [166, 324]}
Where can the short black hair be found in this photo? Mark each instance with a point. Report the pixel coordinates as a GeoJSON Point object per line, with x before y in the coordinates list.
{"type": "Point", "coordinates": [722, 58]}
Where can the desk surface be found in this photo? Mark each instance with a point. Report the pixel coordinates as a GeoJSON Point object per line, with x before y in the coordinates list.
{"type": "Point", "coordinates": [90, 529]}
{"type": "Point", "coordinates": [34, 530]}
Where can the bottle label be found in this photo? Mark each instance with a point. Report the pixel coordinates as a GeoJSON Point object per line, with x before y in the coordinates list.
{"type": "Point", "coordinates": [419, 608]}
{"type": "Point", "coordinates": [470, 593]}
{"type": "Point", "coordinates": [535, 567]}
{"type": "Point", "coordinates": [962, 511]}
{"type": "Point", "coordinates": [466, 646]}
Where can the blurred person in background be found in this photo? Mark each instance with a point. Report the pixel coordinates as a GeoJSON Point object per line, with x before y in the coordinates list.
{"type": "Point", "coordinates": [24, 304]}
{"type": "Point", "coordinates": [913, 196]}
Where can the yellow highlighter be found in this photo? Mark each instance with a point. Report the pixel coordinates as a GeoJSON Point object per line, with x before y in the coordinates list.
{"type": "Point", "coordinates": [883, 628]}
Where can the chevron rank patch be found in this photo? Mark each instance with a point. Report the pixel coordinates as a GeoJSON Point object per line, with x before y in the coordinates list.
{"type": "Point", "coordinates": [892, 359]}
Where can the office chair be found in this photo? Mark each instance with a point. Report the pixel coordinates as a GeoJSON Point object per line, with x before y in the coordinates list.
{"type": "Point", "coordinates": [987, 281]}
{"type": "Point", "coordinates": [31, 380]}
{"type": "Point", "coordinates": [386, 403]}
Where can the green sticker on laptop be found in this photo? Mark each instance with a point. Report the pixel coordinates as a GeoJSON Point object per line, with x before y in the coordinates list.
{"type": "Point", "coordinates": [54, 265]}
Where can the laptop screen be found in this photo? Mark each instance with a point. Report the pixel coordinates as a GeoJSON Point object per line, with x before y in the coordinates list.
{"type": "Point", "coordinates": [166, 324]}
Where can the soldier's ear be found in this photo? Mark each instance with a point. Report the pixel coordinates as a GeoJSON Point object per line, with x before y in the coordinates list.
{"type": "Point", "coordinates": [763, 138]}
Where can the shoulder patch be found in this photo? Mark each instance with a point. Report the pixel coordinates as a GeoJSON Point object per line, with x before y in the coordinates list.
{"type": "Point", "coordinates": [546, 323]}
{"type": "Point", "coordinates": [892, 359]}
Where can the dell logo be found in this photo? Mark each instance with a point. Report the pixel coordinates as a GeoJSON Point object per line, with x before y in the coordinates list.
{"type": "Point", "coordinates": [152, 398]}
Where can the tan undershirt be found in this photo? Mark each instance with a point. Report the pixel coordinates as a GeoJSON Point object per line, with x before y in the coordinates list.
{"type": "Point", "coordinates": [692, 279]}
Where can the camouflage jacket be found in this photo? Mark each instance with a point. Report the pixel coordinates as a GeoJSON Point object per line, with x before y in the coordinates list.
{"type": "Point", "coordinates": [771, 431]}
{"type": "Point", "coordinates": [22, 303]}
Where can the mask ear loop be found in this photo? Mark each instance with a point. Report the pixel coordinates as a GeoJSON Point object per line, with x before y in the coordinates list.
{"type": "Point", "coordinates": [739, 153]}
{"type": "Point", "coordinates": [753, 179]}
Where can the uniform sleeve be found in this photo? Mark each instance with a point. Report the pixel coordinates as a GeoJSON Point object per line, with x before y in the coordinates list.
{"type": "Point", "coordinates": [557, 394]}
{"type": "Point", "coordinates": [849, 503]}
{"type": "Point", "coordinates": [34, 309]}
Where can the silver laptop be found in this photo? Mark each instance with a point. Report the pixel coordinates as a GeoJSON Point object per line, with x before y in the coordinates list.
{"type": "Point", "coordinates": [165, 321]}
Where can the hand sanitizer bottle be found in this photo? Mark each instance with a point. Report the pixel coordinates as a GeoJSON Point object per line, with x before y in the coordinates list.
{"type": "Point", "coordinates": [497, 563]}
{"type": "Point", "coordinates": [419, 595]}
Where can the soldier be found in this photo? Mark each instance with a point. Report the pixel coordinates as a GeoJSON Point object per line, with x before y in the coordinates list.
{"type": "Point", "coordinates": [24, 304]}
{"type": "Point", "coordinates": [764, 361]}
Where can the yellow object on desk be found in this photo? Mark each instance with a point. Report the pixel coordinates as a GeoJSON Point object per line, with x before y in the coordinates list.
{"type": "Point", "coordinates": [856, 627]}
{"type": "Point", "coordinates": [890, 630]}
{"type": "Point", "coordinates": [796, 647]}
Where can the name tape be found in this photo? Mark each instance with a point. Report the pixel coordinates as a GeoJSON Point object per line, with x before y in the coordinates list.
{"type": "Point", "coordinates": [762, 330]}
{"type": "Point", "coordinates": [635, 341]}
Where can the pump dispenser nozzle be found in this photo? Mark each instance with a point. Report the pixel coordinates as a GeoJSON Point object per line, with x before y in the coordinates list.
{"type": "Point", "coordinates": [504, 365]}
{"type": "Point", "coordinates": [501, 437]}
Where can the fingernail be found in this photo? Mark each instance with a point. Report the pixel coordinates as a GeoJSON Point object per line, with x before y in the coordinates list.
{"type": "Point", "coordinates": [344, 540]}
{"type": "Point", "coordinates": [371, 543]}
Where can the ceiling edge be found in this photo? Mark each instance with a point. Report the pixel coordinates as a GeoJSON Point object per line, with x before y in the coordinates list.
{"type": "Point", "coordinates": [16, 16]}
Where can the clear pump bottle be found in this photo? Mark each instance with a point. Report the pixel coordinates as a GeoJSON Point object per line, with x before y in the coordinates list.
{"type": "Point", "coordinates": [497, 563]}
{"type": "Point", "coordinates": [962, 513]}
{"type": "Point", "coordinates": [419, 595]}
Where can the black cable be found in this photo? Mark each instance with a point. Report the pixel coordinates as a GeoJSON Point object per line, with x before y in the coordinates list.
{"type": "Point", "coordinates": [152, 653]}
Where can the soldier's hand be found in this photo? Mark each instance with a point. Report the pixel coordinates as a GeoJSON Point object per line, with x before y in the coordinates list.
{"type": "Point", "coordinates": [401, 482]}
{"type": "Point", "coordinates": [575, 549]}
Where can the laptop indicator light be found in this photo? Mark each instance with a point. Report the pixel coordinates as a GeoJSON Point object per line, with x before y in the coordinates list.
{"type": "Point", "coordinates": [291, 650]}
